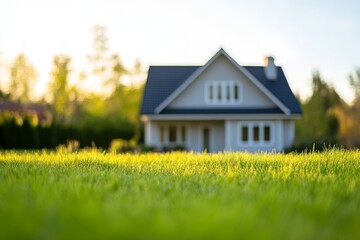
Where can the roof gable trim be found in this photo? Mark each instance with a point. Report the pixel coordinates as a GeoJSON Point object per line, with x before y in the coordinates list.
{"type": "Point", "coordinates": [200, 70]}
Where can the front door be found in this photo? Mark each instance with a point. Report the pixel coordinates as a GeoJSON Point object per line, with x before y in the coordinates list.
{"type": "Point", "coordinates": [206, 139]}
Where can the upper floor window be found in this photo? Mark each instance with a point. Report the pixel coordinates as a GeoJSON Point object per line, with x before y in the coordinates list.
{"type": "Point", "coordinates": [222, 92]}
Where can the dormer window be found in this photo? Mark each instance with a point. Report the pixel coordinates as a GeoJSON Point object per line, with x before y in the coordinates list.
{"type": "Point", "coordinates": [222, 92]}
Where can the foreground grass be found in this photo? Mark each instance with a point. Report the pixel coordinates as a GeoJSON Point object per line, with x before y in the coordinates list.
{"type": "Point", "coordinates": [180, 195]}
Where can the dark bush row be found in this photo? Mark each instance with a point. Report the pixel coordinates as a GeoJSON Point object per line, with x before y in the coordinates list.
{"type": "Point", "coordinates": [26, 136]}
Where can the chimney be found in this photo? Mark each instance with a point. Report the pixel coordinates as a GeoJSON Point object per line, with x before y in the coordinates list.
{"type": "Point", "coordinates": [270, 68]}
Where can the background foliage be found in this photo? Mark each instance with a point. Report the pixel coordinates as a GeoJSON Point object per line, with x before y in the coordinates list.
{"type": "Point", "coordinates": [68, 111]}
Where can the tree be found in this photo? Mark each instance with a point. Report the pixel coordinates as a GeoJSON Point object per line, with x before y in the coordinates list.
{"type": "Point", "coordinates": [99, 57]}
{"type": "Point", "coordinates": [22, 78]}
{"type": "Point", "coordinates": [319, 124]}
{"type": "Point", "coordinates": [117, 72]}
{"type": "Point", "coordinates": [106, 68]}
{"type": "Point", "coordinates": [4, 96]}
{"type": "Point", "coordinates": [138, 76]}
{"type": "Point", "coordinates": [59, 88]}
{"type": "Point", "coordinates": [350, 116]}
{"type": "Point", "coordinates": [354, 81]}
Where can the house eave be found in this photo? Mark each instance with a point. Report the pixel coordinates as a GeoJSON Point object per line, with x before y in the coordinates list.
{"type": "Point", "coordinates": [202, 117]}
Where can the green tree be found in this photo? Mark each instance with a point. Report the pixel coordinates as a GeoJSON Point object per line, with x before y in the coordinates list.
{"type": "Point", "coordinates": [103, 66]}
{"type": "Point", "coordinates": [22, 78]}
{"type": "Point", "coordinates": [350, 116]}
{"type": "Point", "coordinates": [319, 124]}
{"type": "Point", "coordinates": [124, 102]}
{"type": "Point", "coordinates": [4, 96]}
{"type": "Point", "coordinates": [354, 81]}
{"type": "Point", "coordinates": [117, 71]}
{"type": "Point", "coordinates": [59, 89]}
{"type": "Point", "coordinates": [99, 57]}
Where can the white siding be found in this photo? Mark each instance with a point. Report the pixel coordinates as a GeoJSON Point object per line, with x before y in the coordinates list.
{"type": "Point", "coordinates": [224, 134]}
{"type": "Point", "coordinates": [216, 135]}
{"type": "Point", "coordinates": [279, 134]}
{"type": "Point", "coordinates": [194, 131]}
{"type": "Point", "coordinates": [221, 69]}
{"type": "Point", "coordinates": [227, 133]}
{"type": "Point", "coordinates": [289, 133]}
{"type": "Point", "coordinates": [148, 133]}
{"type": "Point", "coordinates": [219, 136]}
{"type": "Point", "coordinates": [235, 145]}
{"type": "Point", "coordinates": [152, 137]}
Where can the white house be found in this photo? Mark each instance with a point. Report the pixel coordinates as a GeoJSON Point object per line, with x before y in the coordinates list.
{"type": "Point", "coordinates": [219, 106]}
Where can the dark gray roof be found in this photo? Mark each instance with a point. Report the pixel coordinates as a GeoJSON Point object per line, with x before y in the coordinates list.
{"type": "Point", "coordinates": [163, 80]}
{"type": "Point", "coordinates": [279, 88]}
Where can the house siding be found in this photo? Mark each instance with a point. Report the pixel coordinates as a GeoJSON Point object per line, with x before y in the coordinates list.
{"type": "Point", "coordinates": [279, 132]}
{"type": "Point", "coordinates": [221, 69]}
{"type": "Point", "coordinates": [289, 133]}
{"type": "Point", "coordinates": [224, 135]}
{"type": "Point", "coordinates": [194, 139]}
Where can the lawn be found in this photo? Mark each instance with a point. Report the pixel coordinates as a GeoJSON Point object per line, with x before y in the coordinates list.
{"type": "Point", "coordinates": [93, 195]}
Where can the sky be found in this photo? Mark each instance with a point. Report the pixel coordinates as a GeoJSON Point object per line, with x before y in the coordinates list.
{"type": "Point", "coordinates": [303, 36]}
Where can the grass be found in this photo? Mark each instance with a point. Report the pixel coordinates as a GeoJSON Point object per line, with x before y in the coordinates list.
{"type": "Point", "coordinates": [91, 195]}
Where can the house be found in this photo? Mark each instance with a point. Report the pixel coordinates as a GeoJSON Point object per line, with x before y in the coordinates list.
{"type": "Point", "coordinates": [220, 106]}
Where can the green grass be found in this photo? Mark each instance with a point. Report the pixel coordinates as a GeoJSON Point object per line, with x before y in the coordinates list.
{"type": "Point", "coordinates": [86, 195]}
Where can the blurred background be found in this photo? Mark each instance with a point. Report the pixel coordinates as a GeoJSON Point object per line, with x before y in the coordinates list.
{"type": "Point", "coordinates": [72, 72]}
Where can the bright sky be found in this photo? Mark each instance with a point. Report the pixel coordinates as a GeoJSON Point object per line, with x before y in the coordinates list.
{"type": "Point", "coordinates": [303, 36]}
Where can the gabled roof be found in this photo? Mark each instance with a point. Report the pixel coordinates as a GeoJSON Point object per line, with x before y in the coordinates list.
{"type": "Point", "coordinates": [279, 87]}
{"type": "Point", "coordinates": [164, 83]}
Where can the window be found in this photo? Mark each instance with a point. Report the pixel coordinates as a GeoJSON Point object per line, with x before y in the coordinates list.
{"type": "Point", "coordinates": [211, 93]}
{"type": "Point", "coordinates": [183, 134]}
{"type": "Point", "coordinates": [172, 134]}
{"type": "Point", "coordinates": [256, 133]}
{"type": "Point", "coordinates": [267, 135]}
{"type": "Point", "coordinates": [244, 133]}
{"type": "Point", "coordinates": [222, 92]}
{"type": "Point", "coordinates": [236, 92]}
{"type": "Point", "coordinates": [227, 93]}
{"type": "Point", "coordinates": [219, 93]}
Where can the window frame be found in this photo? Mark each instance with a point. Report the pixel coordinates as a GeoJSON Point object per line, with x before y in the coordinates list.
{"type": "Point", "coordinates": [172, 132]}
{"type": "Point", "coordinates": [220, 89]}
{"type": "Point", "coordinates": [250, 134]}
{"type": "Point", "coordinates": [180, 129]}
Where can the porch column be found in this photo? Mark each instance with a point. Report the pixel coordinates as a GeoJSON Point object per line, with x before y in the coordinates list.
{"type": "Point", "coordinates": [148, 133]}
{"type": "Point", "coordinates": [227, 133]}
{"type": "Point", "coordinates": [279, 136]}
